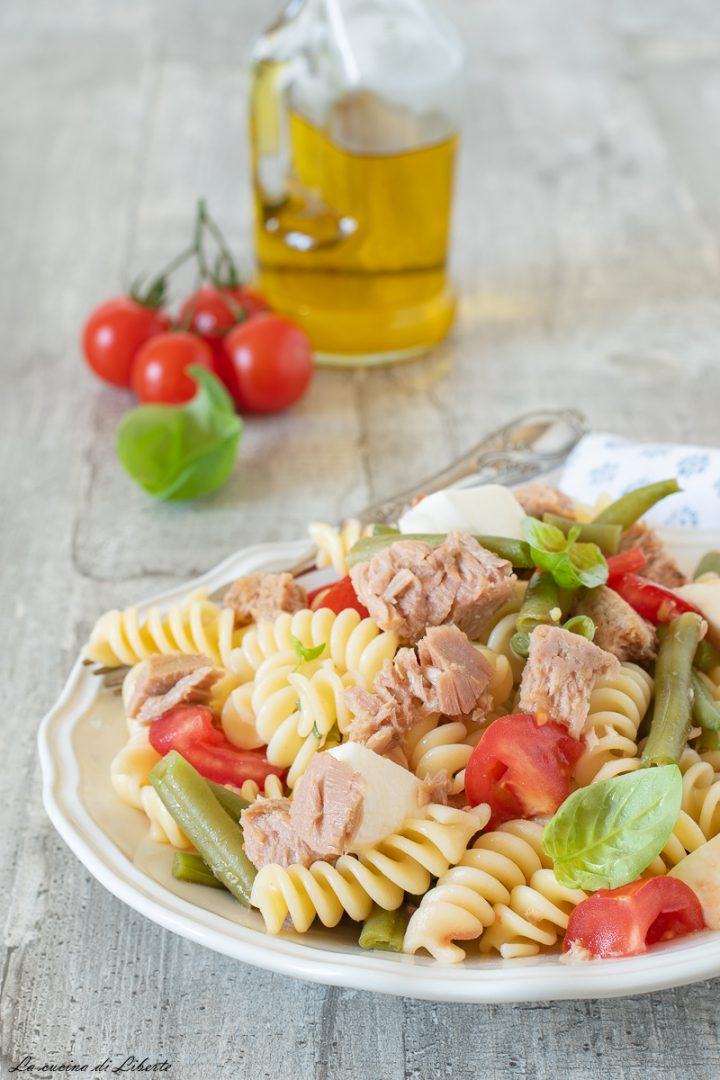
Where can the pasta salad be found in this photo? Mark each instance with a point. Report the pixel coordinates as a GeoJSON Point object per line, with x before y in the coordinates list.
{"type": "Point", "coordinates": [495, 729]}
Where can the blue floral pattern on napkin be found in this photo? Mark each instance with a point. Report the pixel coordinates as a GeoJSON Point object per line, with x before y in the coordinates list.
{"type": "Point", "coordinates": [607, 465]}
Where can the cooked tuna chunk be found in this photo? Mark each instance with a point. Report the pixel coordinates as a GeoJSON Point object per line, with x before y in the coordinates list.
{"type": "Point", "coordinates": [270, 836]}
{"type": "Point", "coordinates": [436, 789]}
{"type": "Point", "coordinates": [458, 673]}
{"type": "Point", "coordinates": [661, 566]}
{"type": "Point", "coordinates": [264, 596]}
{"type": "Point", "coordinates": [161, 682]}
{"type": "Point", "coordinates": [327, 805]}
{"type": "Point", "coordinates": [410, 586]}
{"type": "Point", "coordinates": [446, 675]}
{"type": "Point", "coordinates": [618, 627]}
{"type": "Point", "coordinates": [537, 499]}
{"type": "Point", "coordinates": [559, 676]}
{"type": "Point", "coordinates": [397, 703]}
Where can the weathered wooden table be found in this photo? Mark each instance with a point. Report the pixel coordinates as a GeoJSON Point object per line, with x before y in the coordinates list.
{"type": "Point", "coordinates": [588, 255]}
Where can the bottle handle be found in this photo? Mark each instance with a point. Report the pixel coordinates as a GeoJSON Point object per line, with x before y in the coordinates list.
{"type": "Point", "coordinates": [288, 209]}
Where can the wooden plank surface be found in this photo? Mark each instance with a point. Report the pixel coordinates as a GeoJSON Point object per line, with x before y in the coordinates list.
{"type": "Point", "coordinates": [587, 253]}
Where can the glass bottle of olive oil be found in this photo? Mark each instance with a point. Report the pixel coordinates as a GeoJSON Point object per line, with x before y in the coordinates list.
{"type": "Point", "coordinates": [354, 125]}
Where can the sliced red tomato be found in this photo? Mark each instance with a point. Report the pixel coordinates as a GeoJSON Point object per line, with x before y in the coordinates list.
{"type": "Point", "coordinates": [627, 562]}
{"type": "Point", "coordinates": [654, 602]}
{"type": "Point", "coordinates": [337, 597]}
{"type": "Point", "coordinates": [624, 921]}
{"type": "Point", "coordinates": [521, 768]}
{"type": "Point", "coordinates": [190, 730]}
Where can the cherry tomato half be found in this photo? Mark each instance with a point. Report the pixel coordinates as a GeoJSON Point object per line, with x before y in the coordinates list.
{"type": "Point", "coordinates": [338, 597]}
{"type": "Point", "coordinates": [521, 768]}
{"type": "Point", "coordinates": [624, 921]}
{"type": "Point", "coordinates": [189, 729]}
{"type": "Point", "coordinates": [158, 374]}
{"type": "Point", "coordinates": [272, 363]}
{"type": "Point", "coordinates": [114, 333]}
{"type": "Point", "coordinates": [654, 602]}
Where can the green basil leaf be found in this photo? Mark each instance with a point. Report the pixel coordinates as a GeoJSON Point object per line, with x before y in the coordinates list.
{"type": "Point", "coordinates": [589, 564]}
{"type": "Point", "coordinates": [571, 564]}
{"type": "Point", "coordinates": [547, 538]}
{"type": "Point", "coordinates": [304, 655]}
{"type": "Point", "coordinates": [181, 451]}
{"type": "Point", "coordinates": [605, 835]}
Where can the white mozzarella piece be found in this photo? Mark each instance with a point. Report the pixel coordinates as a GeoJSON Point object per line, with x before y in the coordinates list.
{"type": "Point", "coordinates": [392, 795]}
{"type": "Point", "coordinates": [701, 871]}
{"type": "Point", "coordinates": [705, 595]}
{"type": "Point", "coordinates": [488, 510]}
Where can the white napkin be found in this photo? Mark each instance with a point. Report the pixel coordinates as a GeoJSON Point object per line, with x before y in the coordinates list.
{"type": "Point", "coordinates": [603, 464]}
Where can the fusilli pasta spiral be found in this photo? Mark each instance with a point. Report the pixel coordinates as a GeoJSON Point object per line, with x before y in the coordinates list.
{"type": "Point", "coordinates": [462, 903]}
{"type": "Point", "coordinates": [617, 706]}
{"type": "Point", "coordinates": [197, 625]}
{"type": "Point", "coordinates": [534, 917]}
{"type": "Point", "coordinates": [498, 633]}
{"type": "Point", "coordinates": [352, 643]}
{"type": "Point", "coordinates": [296, 710]}
{"type": "Point", "coordinates": [404, 862]}
{"type": "Point", "coordinates": [432, 747]}
{"type": "Point", "coordinates": [334, 544]}
{"type": "Point", "coordinates": [130, 768]}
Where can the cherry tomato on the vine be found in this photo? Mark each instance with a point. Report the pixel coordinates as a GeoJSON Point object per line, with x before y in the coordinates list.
{"type": "Point", "coordinates": [159, 374]}
{"type": "Point", "coordinates": [211, 311]}
{"type": "Point", "coordinates": [272, 363]}
{"type": "Point", "coordinates": [251, 301]}
{"type": "Point", "coordinates": [115, 332]}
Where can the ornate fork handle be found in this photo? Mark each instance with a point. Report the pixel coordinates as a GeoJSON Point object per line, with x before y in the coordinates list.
{"type": "Point", "coordinates": [530, 445]}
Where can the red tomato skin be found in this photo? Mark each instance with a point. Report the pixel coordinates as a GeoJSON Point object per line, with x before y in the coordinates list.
{"type": "Point", "coordinates": [626, 562]}
{"type": "Point", "coordinates": [190, 730]}
{"type": "Point", "coordinates": [115, 332]}
{"type": "Point", "coordinates": [158, 374]}
{"type": "Point", "coordinates": [338, 597]}
{"type": "Point", "coordinates": [624, 921]}
{"type": "Point", "coordinates": [247, 298]}
{"type": "Point", "coordinates": [521, 768]}
{"type": "Point", "coordinates": [207, 313]}
{"type": "Point", "coordinates": [654, 602]}
{"type": "Point", "coordinates": [272, 360]}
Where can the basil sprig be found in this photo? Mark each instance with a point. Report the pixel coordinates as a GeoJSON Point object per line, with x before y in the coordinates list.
{"type": "Point", "coordinates": [605, 835]}
{"type": "Point", "coordinates": [571, 564]}
{"type": "Point", "coordinates": [179, 452]}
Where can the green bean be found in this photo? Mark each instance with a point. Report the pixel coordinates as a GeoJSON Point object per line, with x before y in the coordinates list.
{"type": "Point", "coordinates": [544, 602]}
{"type": "Point", "coordinates": [707, 741]}
{"type": "Point", "coordinates": [582, 625]}
{"type": "Point", "coordinates": [607, 537]}
{"type": "Point", "coordinates": [231, 802]}
{"type": "Point", "coordinates": [194, 807]}
{"type": "Point", "coordinates": [709, 564]}
{"type": "Point", "coordinates": [673, 692]}
{"type": "Point", "coordinates": [189, 867]}
{"type": "Point", "coordinates": [520, 643]}
{"type": "Point", "coordinates": [706, 656]}
{"type": "Point", "coordinates": [626, 510]}
{"type": "Point", "coordinates": [384, 929]}
{"type": "Point", "coordinates": [705, 709]}
{"type": "Point", "coordinates": [515, 551]}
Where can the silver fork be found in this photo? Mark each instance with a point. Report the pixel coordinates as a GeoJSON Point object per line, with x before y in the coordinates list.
{"type": "Point", "coordinates": [528, 446]}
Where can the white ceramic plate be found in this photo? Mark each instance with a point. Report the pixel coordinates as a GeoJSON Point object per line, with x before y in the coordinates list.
{"type": "Point", "coordinates": [86, 727]}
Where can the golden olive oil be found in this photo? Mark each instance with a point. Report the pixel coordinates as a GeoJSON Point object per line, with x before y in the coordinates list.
{"type": "Point", "coordinates": [353, 246]}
